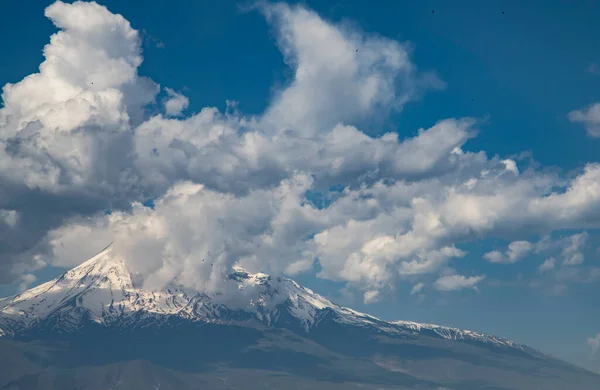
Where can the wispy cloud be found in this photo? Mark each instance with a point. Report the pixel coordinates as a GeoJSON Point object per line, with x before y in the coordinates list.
{"type": "Point", "coordinates": [417, 288]}
{"type": "Point", "coordinates": [590, 117]}
{"type": "Point", "coordinates": [457, 282]}
{"type": "Point", "coordinates": [593, 68]}
{"type": "Point", "coordinates": [594, 342]}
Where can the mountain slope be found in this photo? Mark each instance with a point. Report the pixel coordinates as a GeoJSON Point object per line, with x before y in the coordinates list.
{"type": "Point", "coordinates": [94, 320]}
{"type": "Point", "coordinates": [101, 290]}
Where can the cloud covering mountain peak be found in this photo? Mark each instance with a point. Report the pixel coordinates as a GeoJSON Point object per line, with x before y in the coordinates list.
{"type": "Point", "coordinates": [232, 189]}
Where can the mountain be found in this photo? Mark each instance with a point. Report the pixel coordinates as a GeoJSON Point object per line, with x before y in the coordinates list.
{"type": "Point", "coordinates": [93, 327]}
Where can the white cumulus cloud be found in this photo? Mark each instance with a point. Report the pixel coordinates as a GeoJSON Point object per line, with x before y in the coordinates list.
{"type": "Point", "coordinates": [230, 188]}
{"type": "Point", "coordinates": [547, 265]}
{"type": "Point", "coordinates": [516, 251]}
{"type": "Point", "coordinates": [176, 103]}
{"type": "Point", "coordinates": [341, 75]}
{"type": "Point", "coordinates": [457, 282]}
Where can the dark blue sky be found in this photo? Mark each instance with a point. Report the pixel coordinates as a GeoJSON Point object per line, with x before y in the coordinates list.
{"type": "Point", "coordinates": [524, 65]}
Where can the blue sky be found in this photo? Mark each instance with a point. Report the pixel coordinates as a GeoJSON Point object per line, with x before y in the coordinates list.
{"type": "Point", "coordinates": [518, 67]}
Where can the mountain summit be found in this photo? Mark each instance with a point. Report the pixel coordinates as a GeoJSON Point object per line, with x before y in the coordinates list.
{"type": "Point", "coordinates": [101, 290]}
{"type": "Point", "coordinates": [274, 328]}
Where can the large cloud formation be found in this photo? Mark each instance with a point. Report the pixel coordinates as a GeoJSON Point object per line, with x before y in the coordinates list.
{"type": "Point", "coordinates": [235, 189]}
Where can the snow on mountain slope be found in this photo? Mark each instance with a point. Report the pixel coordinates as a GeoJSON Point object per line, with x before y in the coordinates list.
{"type": "Point", "coordinates": [457, 334]}
{"type": "Point", "coordinates": [100, 287]}
{"type": "Point", "coordinates": [102, 290]}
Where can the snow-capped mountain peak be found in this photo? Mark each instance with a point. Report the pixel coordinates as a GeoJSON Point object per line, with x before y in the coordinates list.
{"type": "Point", "coordinates": [102, 290]}
{"type": "Point", "coordinates": [100, 275]}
